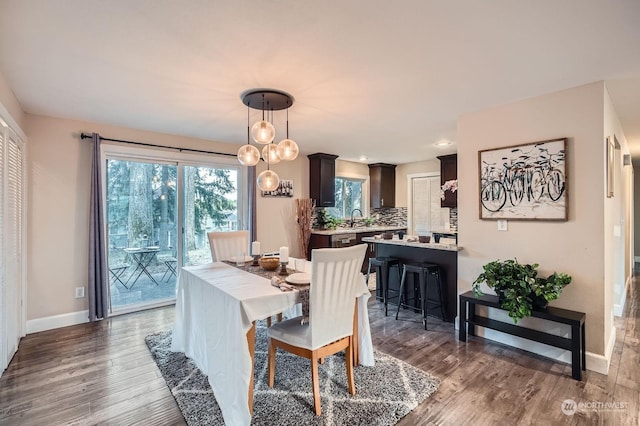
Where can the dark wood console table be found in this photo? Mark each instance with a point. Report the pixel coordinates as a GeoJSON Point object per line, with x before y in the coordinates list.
{"type": "Point", "coordinates": [576, 343]}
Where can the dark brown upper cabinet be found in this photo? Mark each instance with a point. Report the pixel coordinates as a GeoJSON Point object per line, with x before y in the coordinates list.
{"type": "Point", "coordinates": [322, 179]}
{"type": "Point", "coordinates": [382, 180]}
{"type": "Point", "coordinates": [449, 171]}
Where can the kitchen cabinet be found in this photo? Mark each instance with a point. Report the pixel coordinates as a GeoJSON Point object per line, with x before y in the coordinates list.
{"type": "Point", "coordinates": [318, 241]}
{"type": "Point", "coordinates": [382, 181]}
{"type": "Point", "coordinates": [449, 171]}
{"type": "Point", "coordinates": [322, 179]}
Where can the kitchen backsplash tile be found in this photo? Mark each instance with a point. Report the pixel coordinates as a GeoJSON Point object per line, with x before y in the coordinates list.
{"type": "Point", "coordinates": [390, 216]}
{"type": "Point", "coordinates": [385, 216]}
{"type": "Point", "coordinates": [453, 220]}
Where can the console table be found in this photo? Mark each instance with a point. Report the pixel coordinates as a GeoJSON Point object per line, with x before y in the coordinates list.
{"type": "Point", "coordinates": [576, 343]}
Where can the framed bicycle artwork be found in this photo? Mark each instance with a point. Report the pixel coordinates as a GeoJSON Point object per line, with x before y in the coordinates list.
{"type": "Point", "coordinates": [524, 182]}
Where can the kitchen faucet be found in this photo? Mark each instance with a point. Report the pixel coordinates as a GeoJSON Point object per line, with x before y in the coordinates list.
{"type": "Point", "coordinates": [352, 222]}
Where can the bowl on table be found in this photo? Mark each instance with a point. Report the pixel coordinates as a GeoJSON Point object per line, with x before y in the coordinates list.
{"type": "Point", "coordinates": [387, 235]}
{"type": "Point", "coordinates": [269, 263]}
{"type": "Point", "coordinates": [424, 238]}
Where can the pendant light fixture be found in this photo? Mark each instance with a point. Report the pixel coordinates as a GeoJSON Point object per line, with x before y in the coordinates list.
{"type": "Point", "coordinates": [263, 132]}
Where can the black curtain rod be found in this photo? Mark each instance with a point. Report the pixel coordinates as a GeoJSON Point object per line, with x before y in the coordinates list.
{"type": "Point", "coordinates": [85, 136]}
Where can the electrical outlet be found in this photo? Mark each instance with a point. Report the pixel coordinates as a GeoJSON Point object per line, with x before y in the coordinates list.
{"type": "Point", "coordinates": [502, 225]}
{"type": "Point", "coordinates": [79, 292]}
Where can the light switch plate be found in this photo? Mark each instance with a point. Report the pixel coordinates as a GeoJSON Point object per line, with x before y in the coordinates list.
{"type": "Point", "coordinates": [502, 225]}
{"type": "Point", "coordinates": [79, 292]}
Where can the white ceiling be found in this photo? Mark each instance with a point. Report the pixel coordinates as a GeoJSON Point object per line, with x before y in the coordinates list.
{"type": "Point", "coordinates": [377, 78]}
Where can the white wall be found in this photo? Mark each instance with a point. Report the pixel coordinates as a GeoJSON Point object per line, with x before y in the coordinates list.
{"type": "Point", "coordinates": [58, 216]}
{"type": "Point", "coordinates": [276, 217]}
{"type": "Point", "coordinates": [10, 103]}
{"type": "Point", "coordinates": [577, 246]}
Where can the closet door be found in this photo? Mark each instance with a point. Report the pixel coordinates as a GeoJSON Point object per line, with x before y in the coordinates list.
{"type": "Point", "coordinates": [12, 214]}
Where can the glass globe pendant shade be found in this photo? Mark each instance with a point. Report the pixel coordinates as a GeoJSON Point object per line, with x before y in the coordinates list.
{"type": "Point", "coordinates": [263, 132]}
{"type": "Point", "coordinates": [270, 154]}
{"type": "Point", "coordinates": [248, 155]}
{"type": "Point", "coordinates": [268, 180]}
{"type": "Point", "coordinates": [287, 150]}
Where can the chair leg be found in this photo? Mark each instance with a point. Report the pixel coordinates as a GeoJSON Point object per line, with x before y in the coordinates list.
{"type": "Point", "coordinates": [441, 293]}
{"type": "Point", "coordinates": [385, 288]}
{"type": "Point", "coordinates": [423, 298]}
{"type": "Point", "coordinates": [271, 363]}
{"type": "Point", "coordinates": [350, 382]}
{"type": "Point", "coordinates": [316, 384]}
{"type": "Point", "coordinates": [402, 280]}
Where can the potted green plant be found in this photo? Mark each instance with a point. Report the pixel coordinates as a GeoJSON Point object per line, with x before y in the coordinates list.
{"type": "Point", "coordinates": [547, 289]}
{"type": "Point", "coordinates": [518, 287]}
{"type": "Point", "coordinates": [324, 220]}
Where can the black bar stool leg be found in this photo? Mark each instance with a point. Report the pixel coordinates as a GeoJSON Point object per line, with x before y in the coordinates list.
{"type": "Point", "coordinates": [423, 298]}
{"type": "Point", "coordinates": [402, 280]}
{"type": "Point", "coordinates": [441, 293]}
{"type": "Point", "coordinates": [385, 287]}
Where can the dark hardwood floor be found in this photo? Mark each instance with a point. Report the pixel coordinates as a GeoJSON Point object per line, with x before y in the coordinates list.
{"type": "Point", "coordinates": [103, 374]}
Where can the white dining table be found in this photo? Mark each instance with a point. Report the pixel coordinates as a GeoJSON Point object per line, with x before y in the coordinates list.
{"type": "Point", "coordinates": [216, 306]}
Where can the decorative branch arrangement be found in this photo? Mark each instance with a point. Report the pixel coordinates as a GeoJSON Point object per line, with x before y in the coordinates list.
{"type": "Point", "coordinates": [304, 208]}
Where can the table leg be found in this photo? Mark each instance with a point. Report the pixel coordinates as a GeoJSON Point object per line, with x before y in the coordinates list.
{"type": "Point", "coordinates": [471, 328]}
{"type": "Point", "coordinates": [355, 335]}
{"type": "Point", "coordinates": [251, 340]}
{"type": "Point", "coordinates": [584, 348]}
{"type": "Point", "coordinates": [146, 261]}
{"type": "Point", "coordinates": [462, 321]}
{"type": "Point", "coordinates": [576, 339]}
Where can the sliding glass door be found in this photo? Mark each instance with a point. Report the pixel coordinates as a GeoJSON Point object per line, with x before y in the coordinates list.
{"type": "Point", "coordinates": [142, 230]}
{"type": "Point", "coordinates": [158, 215]}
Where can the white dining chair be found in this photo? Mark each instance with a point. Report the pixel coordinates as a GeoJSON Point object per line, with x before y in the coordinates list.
{"type": "Point", "coordinates": [225, 245]}
{"type": "Point", "coordinates": [332, 301]}
{"type": "Point", "coordinates": [300, 265]}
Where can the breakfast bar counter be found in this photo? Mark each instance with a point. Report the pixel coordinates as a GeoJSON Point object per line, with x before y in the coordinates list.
{"type": "Point", "coordinates": [443, 255]}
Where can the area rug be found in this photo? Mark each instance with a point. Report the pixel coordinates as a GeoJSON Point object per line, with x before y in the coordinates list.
{"type": "Point", "coordinates": [384, 393]}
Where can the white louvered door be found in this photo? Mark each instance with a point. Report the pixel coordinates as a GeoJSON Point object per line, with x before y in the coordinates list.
{"type": "Point", "coordinates": [11, 241]}
{"type": "Point", "coordinates": [426, 213]}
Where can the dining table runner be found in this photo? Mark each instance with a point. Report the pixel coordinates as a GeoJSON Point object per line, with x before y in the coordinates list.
{"type": "Point", "coordinates": [280, 281]}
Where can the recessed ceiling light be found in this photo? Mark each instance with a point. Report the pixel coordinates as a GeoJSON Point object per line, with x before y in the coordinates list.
{"type": "Point", "coordinates": [363, 158]}
{"type": "Point", "coordinates": [443, 142]}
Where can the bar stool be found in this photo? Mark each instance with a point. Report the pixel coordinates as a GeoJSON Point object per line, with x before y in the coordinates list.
{"type": "Point", "coordinates": [383, 265]}
{"type": "Point", "coordinates": [423, 271]}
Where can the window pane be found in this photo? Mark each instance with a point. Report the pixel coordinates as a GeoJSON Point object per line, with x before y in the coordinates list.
{"type": "Point", "coordinates": [142, 231]}
{"type": "Point", "coordinates": [210, 204]}
{"type": "Point", "coordinates": [348, 197]}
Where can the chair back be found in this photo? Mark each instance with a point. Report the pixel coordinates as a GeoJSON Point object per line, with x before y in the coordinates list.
{"type": "Point", "coordinates": [302, 265]}
{"type": "Point", "coordinates": [225, 245]}
{"type": "Point", "coordinates": [334, 280]}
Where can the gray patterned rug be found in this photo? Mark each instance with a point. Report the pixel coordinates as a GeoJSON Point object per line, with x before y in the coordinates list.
{"type": "Point", "coordinates": [384, 393]}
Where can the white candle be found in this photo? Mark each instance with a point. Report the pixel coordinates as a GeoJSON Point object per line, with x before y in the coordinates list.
{"type": "Point", "coordinates": [255, 248]}
{"type": "Point", "coordinates": [284, 254]}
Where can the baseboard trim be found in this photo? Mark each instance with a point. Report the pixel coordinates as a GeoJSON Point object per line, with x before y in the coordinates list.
{"type": "Point", "coordinates": [57, 321]}
{"type": "Point", "coordinates": [600, 363]}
